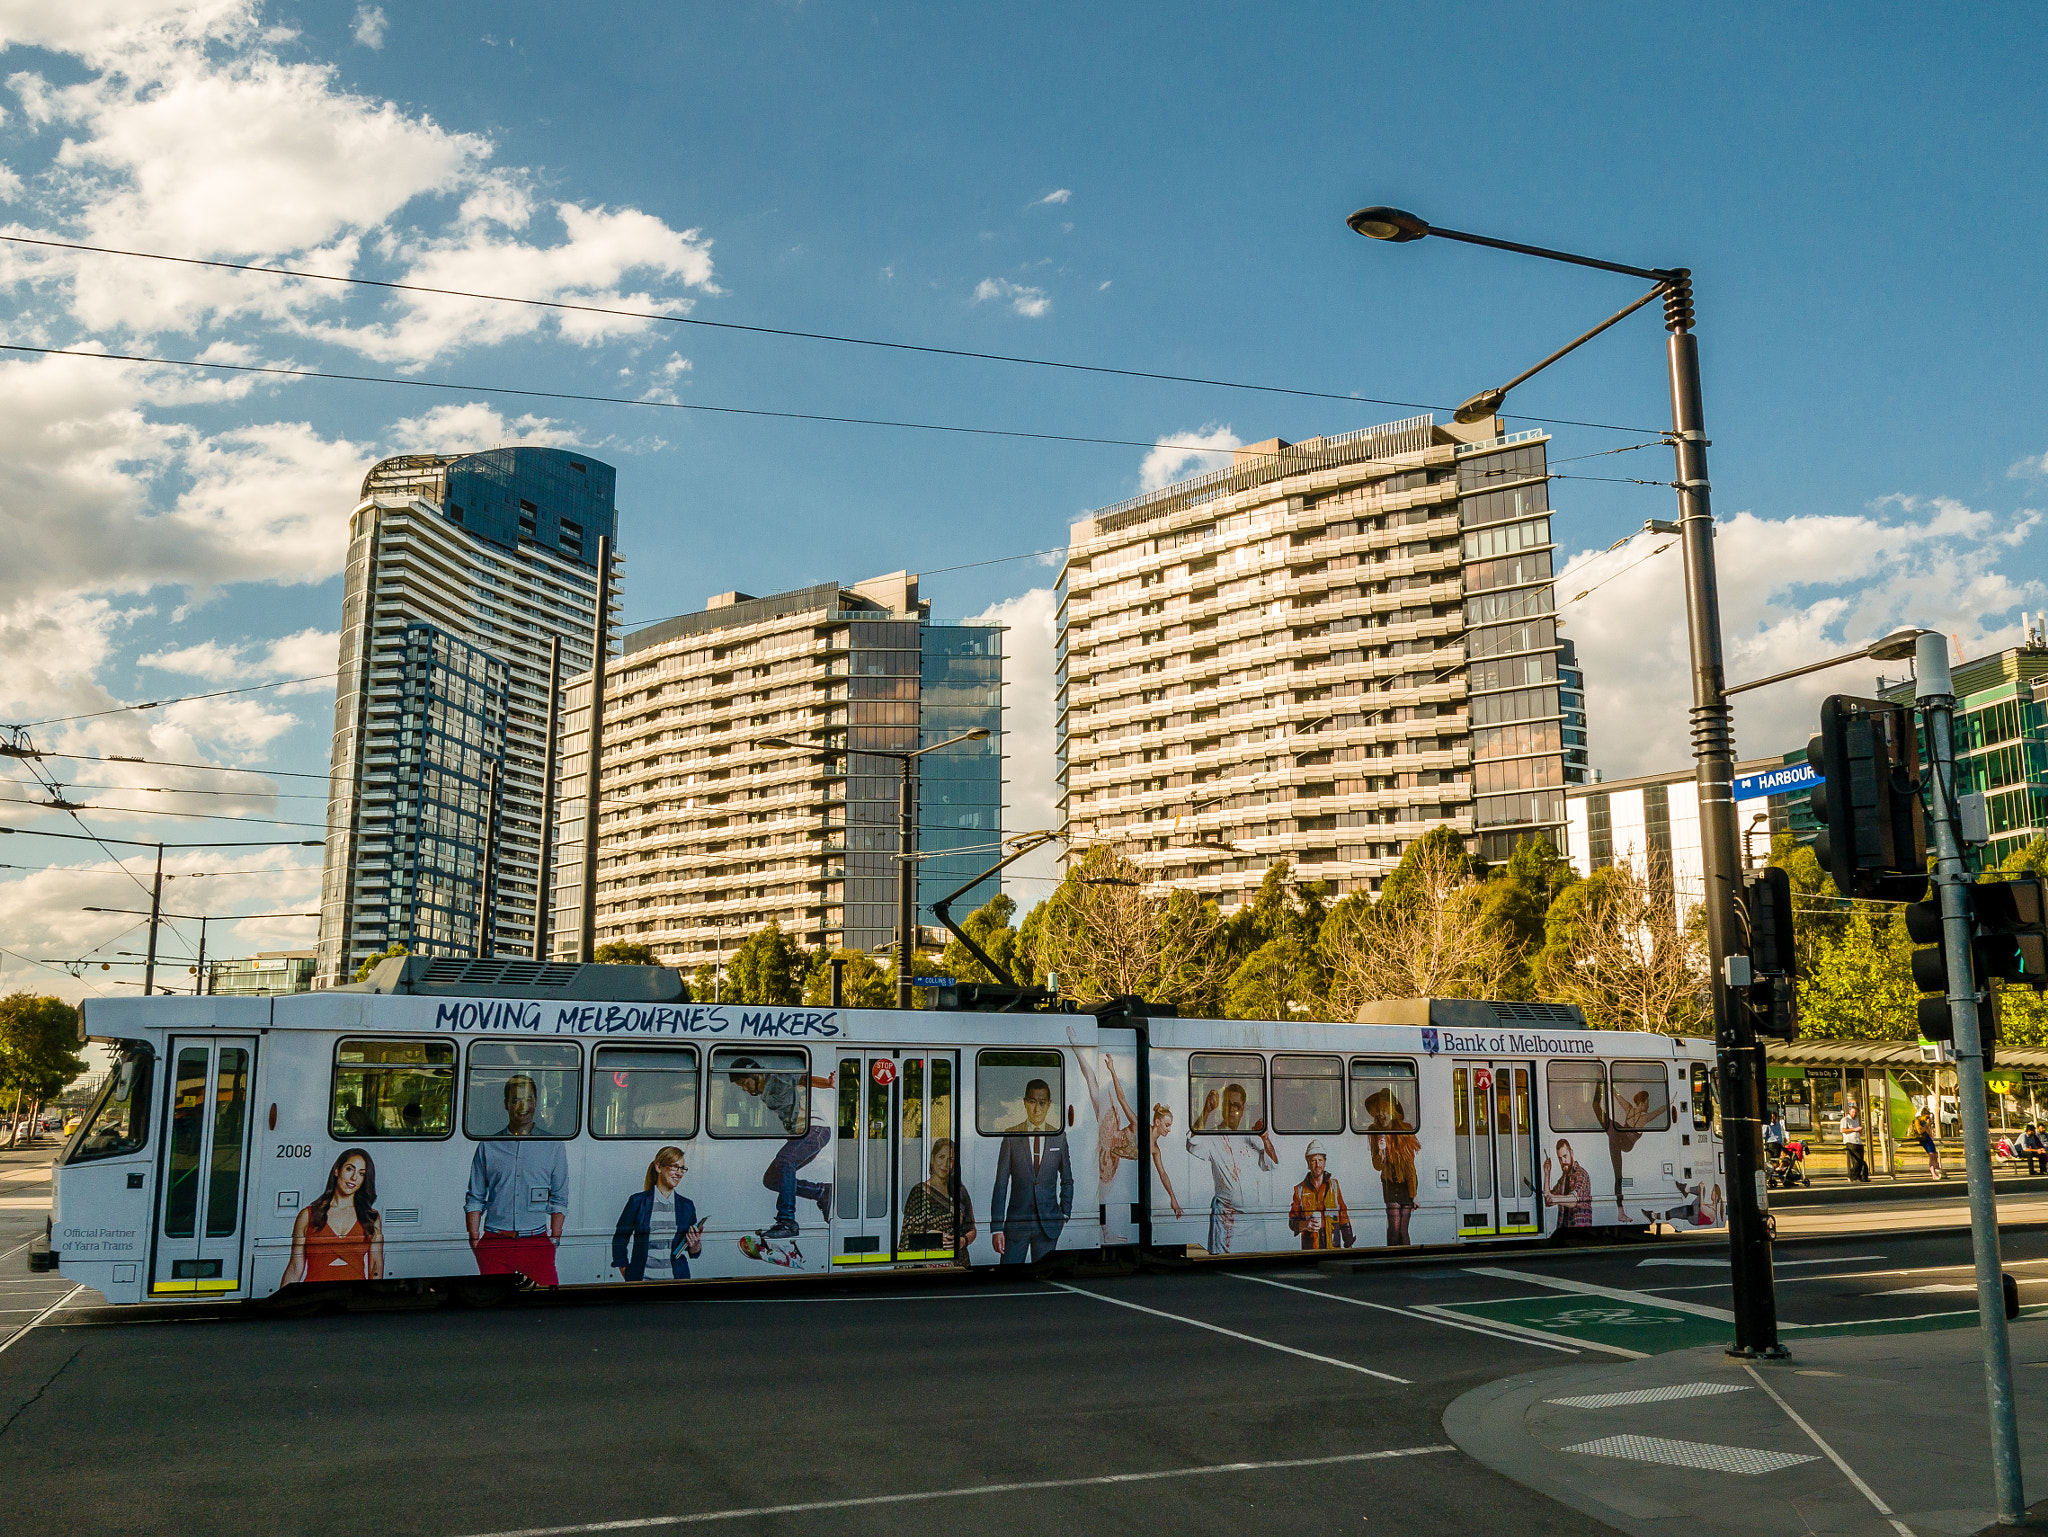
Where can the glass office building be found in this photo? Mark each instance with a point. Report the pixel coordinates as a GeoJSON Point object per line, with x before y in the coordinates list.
{"type": "Point", "coordinates": [960, 790]}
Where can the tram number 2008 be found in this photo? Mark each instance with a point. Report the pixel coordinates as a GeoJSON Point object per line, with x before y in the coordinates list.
{"type": "Point", "coordinates": [295, 1150]}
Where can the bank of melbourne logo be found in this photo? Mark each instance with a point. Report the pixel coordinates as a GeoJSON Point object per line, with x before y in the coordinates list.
{"type": "Point", "coordinates": [1429, 1041]}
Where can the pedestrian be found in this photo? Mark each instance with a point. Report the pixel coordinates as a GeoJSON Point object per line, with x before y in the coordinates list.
{"type": "Point", "coordinates": [2034, 1148]}
{"type": "Point", "coordinates": [1923, 1133]}
{"type": "Point", "coordinates": [1852, 1142]}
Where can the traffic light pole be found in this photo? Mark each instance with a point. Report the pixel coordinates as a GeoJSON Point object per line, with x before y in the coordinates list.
{"type": "Point", "coordinates": [1951, 883]}
{"type": "Point", "coordinates": [1740, 1056]}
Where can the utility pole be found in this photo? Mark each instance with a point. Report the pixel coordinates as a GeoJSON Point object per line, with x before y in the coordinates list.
{"type": "Point", "coordinates": [906, 884]}
{"type": "Point", "coordinates": [199, 972]}
{"type": "Point", "coordinates": [600, 645]}
{"type": "Point", "coordinates": [1952, 883]}
{"type": "Point", "coordinates": [487, 874]}
{"type": "Point", "coordinates": [156, 907]}
{"type": "Point", "coordinates": [544, 900]}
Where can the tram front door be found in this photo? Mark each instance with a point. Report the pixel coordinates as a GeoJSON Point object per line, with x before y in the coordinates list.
{"type": "Point", "coordinates": [894, 1187]}
{"type": "Point", "coordinates": [1496, 1146]}
{"type": "Point", "coordinates": [198, 1238]}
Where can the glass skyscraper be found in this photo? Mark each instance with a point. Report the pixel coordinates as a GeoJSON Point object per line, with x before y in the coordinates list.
{"type": "Point", "coordinates": [464, 572]}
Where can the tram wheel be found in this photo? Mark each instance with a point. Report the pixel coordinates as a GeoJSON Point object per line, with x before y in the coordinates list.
{"type": "Point", "coordinates": [480, 1292]}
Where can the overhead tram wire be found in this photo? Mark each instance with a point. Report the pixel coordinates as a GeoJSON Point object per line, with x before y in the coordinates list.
{"type": "Point", "coordinates": [157, 704]}
{"type": "Point", "coordinates": [281, 795]}
{"type": "Point", "coordinates": [665, 317]}
{"type": "Point", "coordinates": [152, 811]}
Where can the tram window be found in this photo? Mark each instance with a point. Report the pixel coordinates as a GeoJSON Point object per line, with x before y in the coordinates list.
{"type": "Point", "coordinates": [1308, 1094]}
{"type": "Point", "coordinates": [397, 1089]}
{"type": "Point", "coordinates": [1383, 1096]}
{"type": "Point", "coordinates": [1578, 1096]}
{"type": "Point", "coordinates": [119, 1122]}
{"type": "Point", "coordinates": [1008, 1085]}
{"type": "Point", "coordinates": [643, 1091]}
{"type": "Point", "coordinates": [541, 1079]}
{"type": "Point", "coordinates": [1642, 1096]}
{"type": "Point", "coordinates": [757, 1093]}
{"type": "Point", "coordinates": [1702, 1096]}
{"type": "Point", "coordinates": [1226, 1092]}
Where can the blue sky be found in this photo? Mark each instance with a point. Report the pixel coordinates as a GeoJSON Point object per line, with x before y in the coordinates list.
{"type": "Point", "coordinates": [1855, 188]}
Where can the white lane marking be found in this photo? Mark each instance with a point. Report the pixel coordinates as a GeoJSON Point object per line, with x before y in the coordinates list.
{"type": "Point", "coordinates": [1648, 1395]}
{"type": "Point", "coordinates": [1538, 1334]}
{"type": "Point", "coordinates": [1938, 1286]}
{"type": "Point", "coordinates": [1250, 1339]}
{"type": "Point", "coordinates": [1359, 1302]}
{"type": "Point", "coordinates": [898, 1297]}
{"type": "Point", "coordinates": [46, 1312]}
{"type": "Point", "coordinates": [1834, 1456]}
{"type": "Point", "coordinates": [1587, 1289]}
{"type": "Point", "coordinates": [968, 1492]}
{"type": "Point", "coordinates": [1692, 1454]}
{"type": "Point", "coordinates": [1776, 1264]}
{"type": "Point", "coordinates": [26, 1242]}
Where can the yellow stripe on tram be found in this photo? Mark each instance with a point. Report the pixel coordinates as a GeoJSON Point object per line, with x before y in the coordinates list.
{"type": "Point", "coordinates": [194, 1286]}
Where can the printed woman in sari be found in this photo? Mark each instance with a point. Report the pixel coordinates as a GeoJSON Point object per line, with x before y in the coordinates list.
{"type": "Point", "coordinates": [340, 1237]}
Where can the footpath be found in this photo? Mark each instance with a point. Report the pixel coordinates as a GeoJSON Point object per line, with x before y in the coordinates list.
{"type": "Point", "coordinates": [1884, 1434]}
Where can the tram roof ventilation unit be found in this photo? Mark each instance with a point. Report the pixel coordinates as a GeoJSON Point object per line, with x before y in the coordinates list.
{"type": "Point", "coordinates": [506, 977]}
{"type": "Point", "coordinates": [1470, 1013]}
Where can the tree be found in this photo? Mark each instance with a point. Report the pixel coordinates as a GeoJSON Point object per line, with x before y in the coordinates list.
{"type": "Point", "coordinates": [1614, 946]}
{"type": "Point", "coordinates": [1860, 986]}
{"type": "Point", "coordinates": [767, 968]}
{"type": "Point", "coordinates": [1427, 936]}
{"type": "Point", "coordinates": [622, 952]}
{"type": "Point", "coordinates": [371, 962]}
{"type": "Point", "coordinates": [1107, 937]}
{"type": "Point", "coordinates": [1518, 897]}
{"type": "Point", "coordinates": [1277, 968]}
{"type": "Point", "coordinates": [867, 984]}
{"type": "Point", "coordinates": [38, 1046]}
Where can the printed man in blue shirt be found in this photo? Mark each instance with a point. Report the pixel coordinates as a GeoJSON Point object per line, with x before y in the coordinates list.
{"type": "Point", "coordinates": [518, 1195]}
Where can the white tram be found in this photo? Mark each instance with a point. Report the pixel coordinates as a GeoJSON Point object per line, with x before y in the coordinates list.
{"type": "Point", "coordinates": [488, 1124]}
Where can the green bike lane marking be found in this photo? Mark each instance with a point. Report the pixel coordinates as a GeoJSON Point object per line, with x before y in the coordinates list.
{"type": "Point", "coordinates": [1635, 1328]}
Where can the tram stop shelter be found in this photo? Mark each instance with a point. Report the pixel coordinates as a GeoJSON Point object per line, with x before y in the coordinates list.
{"type": "Point", "coordinates": [1893, 1081]}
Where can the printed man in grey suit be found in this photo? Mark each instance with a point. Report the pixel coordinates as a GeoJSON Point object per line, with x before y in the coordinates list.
{"type": "Point", "coordinates": [1034, 1192]}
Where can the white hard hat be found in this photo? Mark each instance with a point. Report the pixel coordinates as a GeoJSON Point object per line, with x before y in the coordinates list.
{"type": "Point", "coordinates": [1317, 1150]}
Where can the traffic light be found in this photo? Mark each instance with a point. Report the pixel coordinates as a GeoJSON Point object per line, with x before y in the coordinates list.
{"type": "Point", "coordinates": [1873, 834]}
{"type": "Point", "coordinates": [1773, 959]}
{"type": "Point", "coordinates": [2008, 942]}
{"type": "Point", "coordinates": [2012, 931]}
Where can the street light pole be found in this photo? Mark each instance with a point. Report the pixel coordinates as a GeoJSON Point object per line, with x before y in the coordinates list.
{"type": "Point", "coordinates": [906, 838]}
{"type": "Point", "coordinates": [1740, 1056]}
{"type": "Point", "coordinates": [906, 885]}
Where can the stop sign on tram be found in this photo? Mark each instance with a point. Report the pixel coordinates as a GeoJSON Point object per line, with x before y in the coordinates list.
{"type": "Point", "coordinates": [884, 1071]}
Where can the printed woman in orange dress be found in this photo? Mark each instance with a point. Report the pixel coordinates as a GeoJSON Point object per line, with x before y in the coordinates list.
{"type": "Point", "coordinates": [340, 1237]}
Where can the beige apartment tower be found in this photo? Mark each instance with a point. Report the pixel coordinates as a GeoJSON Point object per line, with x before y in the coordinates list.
{"type": "Point", "coordinates": [706, 834]}
{"type": "Point", "coordinates": [1315, 656]}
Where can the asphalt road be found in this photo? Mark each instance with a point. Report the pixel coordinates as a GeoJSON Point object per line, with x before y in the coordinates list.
{"type": "Point", "coordinates": [1274, 1399]}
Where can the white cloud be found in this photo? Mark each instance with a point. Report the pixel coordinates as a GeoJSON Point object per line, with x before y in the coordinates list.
{"type": "Point", "coordinates": [1061, 196]}
{"type": "Point", "coordinates": [370, 25]}
{"type": "Point", "coordinates": [208, 659]}
{"type": "Point", "coordinates": [1026, 301]}
{"type": "Point", "coordinates": [469, 427]}
{"type": "Point", "coordinates": [2033, 467]}
{"type": "Point", "coordinates": [1028, 790]}
{"type": "Point", "coordinates": [1793, 590]}
{"type": "Point", "coordinates": [1206, 448]}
